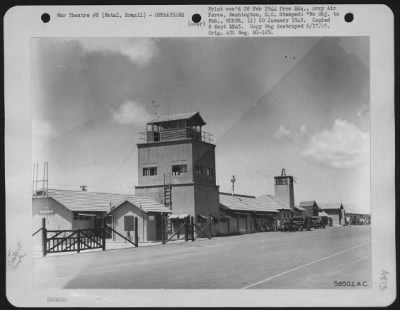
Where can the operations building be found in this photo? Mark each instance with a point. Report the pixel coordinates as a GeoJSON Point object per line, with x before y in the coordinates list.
{"type": "Point", "coordinates": [176, 179]}
{"type": "Point", "coordinates": [176, 167]}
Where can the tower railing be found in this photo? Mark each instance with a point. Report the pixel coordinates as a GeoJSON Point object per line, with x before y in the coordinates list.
{"type": "Point", "coordinates": [175, 134]}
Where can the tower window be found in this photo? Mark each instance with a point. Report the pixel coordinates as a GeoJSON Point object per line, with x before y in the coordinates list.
{"type": "Point", "coordinates": [198, 170]}
{"type": "Point", "coordinates": [281, 182]}
{"type": "Point", "coordinates": [210, 172]}
{"type": "Point", "coordinates": [179, 169]}
{"type": "Point", "coordinates": [149, 171]}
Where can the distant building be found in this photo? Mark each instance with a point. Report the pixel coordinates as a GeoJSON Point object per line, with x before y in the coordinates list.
{"type": "Point", "coordinates": [356, 215]}
{"type": "Point", "coordinates": [336, 212]}
{"type": "Point", "coordinates": [247, 214]}
{"type": "Point", "coordinates": [310, 208]}
{"type": "Point", "coordinates": [284, 193]}
{"type": "Point", "coordinates": [284, 190]}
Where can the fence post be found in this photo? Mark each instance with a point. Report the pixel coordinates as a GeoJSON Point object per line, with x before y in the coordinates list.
{"type": "Point", "coordinates": [103, 234]}
{"type": "Point", "coordinates": [209, 228]}
{"type": "Point", "coordinates": [186, 229]}
{"type": "Point", "coordinates": [44, 237]}
{"type": "Point", "coordinates": [192, 228]}
{"type": "Point", "coordinates": [79, 240]}
{"type": "Point", "coordinates": [136, 232]}
{"type": "Point", "coordinates": [162, 229]}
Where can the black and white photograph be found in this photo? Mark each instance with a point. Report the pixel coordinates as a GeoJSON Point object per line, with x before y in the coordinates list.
{"type": "Point", "coordinates": [199, 167]}
{"type": "Point", "coordinates": [200, 163]}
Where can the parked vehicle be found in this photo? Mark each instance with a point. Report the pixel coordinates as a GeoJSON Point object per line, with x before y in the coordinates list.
{"type": "Point", "coordinates": [299, 223]}
{"type": "Point", "coordinates": [316, 222]}
{"type": "Point", "coordinates": [285, 226]}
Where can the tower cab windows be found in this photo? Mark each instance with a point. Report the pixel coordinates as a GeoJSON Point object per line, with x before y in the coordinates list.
{"type": "Point", "coordinates": [149, 171]}
{"type": "Point", "coordinates": [280, 181]}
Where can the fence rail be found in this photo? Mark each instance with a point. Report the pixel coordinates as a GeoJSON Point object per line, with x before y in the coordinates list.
{"type": "Point", "coordinates": [76, 240]}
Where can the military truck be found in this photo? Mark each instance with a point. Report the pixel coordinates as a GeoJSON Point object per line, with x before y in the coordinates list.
{"type": "Point", "coordinates": [298, 223]}
{"type": "Point", "coordinates": [316, 222]}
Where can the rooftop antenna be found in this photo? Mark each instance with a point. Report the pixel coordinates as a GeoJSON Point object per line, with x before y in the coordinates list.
{"type": "Point", "coordinates": [283, 174]}
{"type": "Point", "coordinates": [155, 107]}
{"type": "Point", "coordinates": [233, 180]}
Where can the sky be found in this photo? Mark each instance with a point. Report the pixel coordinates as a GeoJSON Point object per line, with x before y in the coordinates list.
{"type": "Point", "coordinates": [296, 103]}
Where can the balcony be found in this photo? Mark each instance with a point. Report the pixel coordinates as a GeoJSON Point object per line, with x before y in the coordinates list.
{"type": "Point", "coordinates": [175, 134]}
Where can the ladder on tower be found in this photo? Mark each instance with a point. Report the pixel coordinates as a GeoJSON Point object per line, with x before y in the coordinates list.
{"type": "Point", "coordinates": [167, 191]}
{"type": "Point", "coordinates": [168, 198]}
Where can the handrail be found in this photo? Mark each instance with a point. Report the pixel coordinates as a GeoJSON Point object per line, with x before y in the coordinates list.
{"type": "Point", "coordinates": [187, 132]}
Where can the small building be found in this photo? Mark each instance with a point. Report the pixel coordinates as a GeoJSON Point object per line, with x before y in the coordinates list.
{"type": "Point", "coordinates": [310, 208]}
{"type": "Point", "coordinates": [356, 216]}
{"type": "Point", "coordinates": [74, 209]}
{"type": "Point", "coordinates": [336, 212]}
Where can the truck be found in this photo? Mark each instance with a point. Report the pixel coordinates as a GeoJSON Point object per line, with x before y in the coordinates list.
{"type": "Point", "coordinates": [299, 223]}
{"type": "Point", "coordinates": [316, 222]}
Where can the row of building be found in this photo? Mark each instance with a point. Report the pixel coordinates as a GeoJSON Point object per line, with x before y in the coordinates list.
{"type": "Point", "coordinates": [176, 179]}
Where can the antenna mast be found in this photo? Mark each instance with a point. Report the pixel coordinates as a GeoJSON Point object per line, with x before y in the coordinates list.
{"type": "Point", "coordinates": [155, 107]}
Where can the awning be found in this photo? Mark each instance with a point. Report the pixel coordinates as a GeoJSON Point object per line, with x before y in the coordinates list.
{"type": "Point", "coordinates": [177, 216]}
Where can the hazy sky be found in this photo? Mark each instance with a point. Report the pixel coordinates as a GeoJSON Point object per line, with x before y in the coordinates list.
{"type": "Point", "coordinates": [271, 103]}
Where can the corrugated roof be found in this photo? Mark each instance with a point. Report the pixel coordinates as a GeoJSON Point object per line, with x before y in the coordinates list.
{"type": "Point", "coordinates": [243, 203]}
{"type": "Point", "coordinates": [100, 202]}
{"type": "Point", "coordinates": [270, 203]}
{"type": "Point", "coordinates": [175, 117]}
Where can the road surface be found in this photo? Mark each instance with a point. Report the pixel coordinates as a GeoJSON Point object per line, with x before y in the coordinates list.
{"type": "Point", "coordinates": [292, 260]}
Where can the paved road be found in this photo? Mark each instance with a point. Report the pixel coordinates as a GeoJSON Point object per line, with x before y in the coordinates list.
{"type": "Point", "coordinates": [308, 259]}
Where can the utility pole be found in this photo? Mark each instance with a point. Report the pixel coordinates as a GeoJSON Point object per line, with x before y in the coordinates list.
{"type": "Point", "coordinates": [233, 180]}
